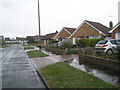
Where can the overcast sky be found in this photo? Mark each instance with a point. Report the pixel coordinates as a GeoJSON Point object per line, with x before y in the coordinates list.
{"type": "Point", "coordinates": [19, 17]}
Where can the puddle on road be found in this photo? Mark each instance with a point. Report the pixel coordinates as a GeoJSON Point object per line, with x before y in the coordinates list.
{"type": "Point", "coordinates": [105, 74]}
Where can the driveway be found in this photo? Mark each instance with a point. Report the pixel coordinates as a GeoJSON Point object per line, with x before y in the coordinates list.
{"type": "Point", "coordinates": [51, 59]}
{"type": "Point", "coordinates": [17, 70]}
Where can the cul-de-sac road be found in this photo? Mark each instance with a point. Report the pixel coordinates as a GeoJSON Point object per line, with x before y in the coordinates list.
{"type": "Point", "coordinates": [17, 69]}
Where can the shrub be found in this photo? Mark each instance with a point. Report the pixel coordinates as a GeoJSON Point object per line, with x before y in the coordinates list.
{"type": "Point", "coordinates": [55, 50]}
{"type": "Point", "coordinates": [87, 51]}
{"type": "Point", "coordinates": [53, 42]}
{"type": "Point", "coordinates": [31, 40]}
{"type": "Point", "coordinates": [87, 42]}
{"type": "Point", "coordinates": [72, 52]}
{"type": "Point", "coordinates": [66, 45]}
{"type": "Point", "coordinates": [80, 43]}
{"type": "Point", "coordinates": [118, 54]}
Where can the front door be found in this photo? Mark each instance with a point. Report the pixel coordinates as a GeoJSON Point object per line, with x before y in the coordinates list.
{"type": "Point", "coordinates": [74, 40]}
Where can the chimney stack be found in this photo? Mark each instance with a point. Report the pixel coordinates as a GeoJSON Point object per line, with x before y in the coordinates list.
{"type": "Point", "coordinates": [111, 25]}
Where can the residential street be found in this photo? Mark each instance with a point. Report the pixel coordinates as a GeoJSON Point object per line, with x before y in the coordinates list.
{"type": "Point", "coordinates": [17, 70]}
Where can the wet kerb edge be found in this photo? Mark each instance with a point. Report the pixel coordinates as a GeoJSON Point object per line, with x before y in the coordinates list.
{"type": "Point", "coordinates": [61, 89]}
{"type": "Point", "coordinates": [24, 89]}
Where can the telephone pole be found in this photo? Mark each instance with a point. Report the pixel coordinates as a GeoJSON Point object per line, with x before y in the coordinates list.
{"type": "Point", "coordinates": [39, 21]}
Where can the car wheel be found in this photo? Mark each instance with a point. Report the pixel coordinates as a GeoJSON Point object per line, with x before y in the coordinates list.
{"type": "Point", "coordinates": [109, 52]}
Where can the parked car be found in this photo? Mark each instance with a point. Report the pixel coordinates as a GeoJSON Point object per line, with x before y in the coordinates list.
{"type": "Point", "coordinates": [108, 46]}
{"type": "Point", "coordinates": [59, 43]}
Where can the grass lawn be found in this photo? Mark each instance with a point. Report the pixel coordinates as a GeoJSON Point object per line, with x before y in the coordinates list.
{"type": "Point", "coordinates": [62, 75]}
{"type": "Point", "coordinates": [24, 45]}
{"type": "Point", "coordinates": [28, 47]}
{"type": "Point", "coordinates": [36, 53]}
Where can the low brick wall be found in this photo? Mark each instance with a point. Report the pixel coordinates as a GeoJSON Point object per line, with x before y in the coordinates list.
{"type": "Point", "coordinates": [115, 65]}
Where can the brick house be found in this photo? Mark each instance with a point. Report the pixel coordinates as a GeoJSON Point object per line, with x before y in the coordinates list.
{"type": "Point", "coordinates": [89, 29]}
{"type": "Point", "coordinates": [64, 34]}
{"type": "Point", "coordinates": [115, 32]}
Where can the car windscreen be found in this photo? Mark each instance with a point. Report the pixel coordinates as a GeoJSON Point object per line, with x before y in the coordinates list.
{"type": "Point", "coordinates": [113, 42]}
{"type": "Point", "coordinates": [103, 42]}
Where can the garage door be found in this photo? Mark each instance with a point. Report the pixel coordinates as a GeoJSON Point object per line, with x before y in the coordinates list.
{"type": "Point", "coordinates": [117, 35]}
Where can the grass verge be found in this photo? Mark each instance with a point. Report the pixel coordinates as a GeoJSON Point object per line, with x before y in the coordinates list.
{"type": "Point", "coordinates": [24, 45]}
{"type": "Point", "coordinates": [36, 53]}
{"type": "Point", "coordinates": [4, 46]}
{"type": "Point", "coordinates": [62, 75]}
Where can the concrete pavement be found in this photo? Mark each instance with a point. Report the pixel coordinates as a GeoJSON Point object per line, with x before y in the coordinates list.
{"type": "Point", "coordinates": [17, 70]}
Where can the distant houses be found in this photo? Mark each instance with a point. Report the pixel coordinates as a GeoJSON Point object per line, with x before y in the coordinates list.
{"type": "Point", "coordinates": [44, 38]}
{"type": "Point", "coordinates": [17, 40]}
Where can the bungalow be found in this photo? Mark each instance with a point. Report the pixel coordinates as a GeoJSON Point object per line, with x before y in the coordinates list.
{"type": "Point", "coordinates": [44, 38]}
{"type": "Point", "coordinates": [89, 29]}
{"type": "Point", "coordinates": [64, 34]}
{"type": "Point", "coordinates": [115, 32]}
{"type": "Point", "coordinates": [48, 37]}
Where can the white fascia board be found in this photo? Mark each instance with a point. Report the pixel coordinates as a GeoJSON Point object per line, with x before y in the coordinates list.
{"type": "Point", "coordinates": [67, 31]}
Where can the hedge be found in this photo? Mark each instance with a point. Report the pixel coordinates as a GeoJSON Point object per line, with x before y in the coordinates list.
{"type": "Point", "coordinates": [87, 42]}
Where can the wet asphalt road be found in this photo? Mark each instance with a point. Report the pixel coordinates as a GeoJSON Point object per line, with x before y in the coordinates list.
{"type": "Point", "coordinates": [17, 70]}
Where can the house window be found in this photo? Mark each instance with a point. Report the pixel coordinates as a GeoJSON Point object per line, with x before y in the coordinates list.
{"type": "Point", "coordinates": [94, 37]}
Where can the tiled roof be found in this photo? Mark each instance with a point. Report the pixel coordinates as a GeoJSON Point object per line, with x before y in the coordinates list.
{"type": "Point", "coordinates": [7, 38]}
{"type": "Point", "coordinates": [71, 30]}
{"type": "Point", "coordinates": [49, 36]}
{"type": "Point", "coordinates": [99, 26]}
{"type": "Point", "coordinates": [20, 38]}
